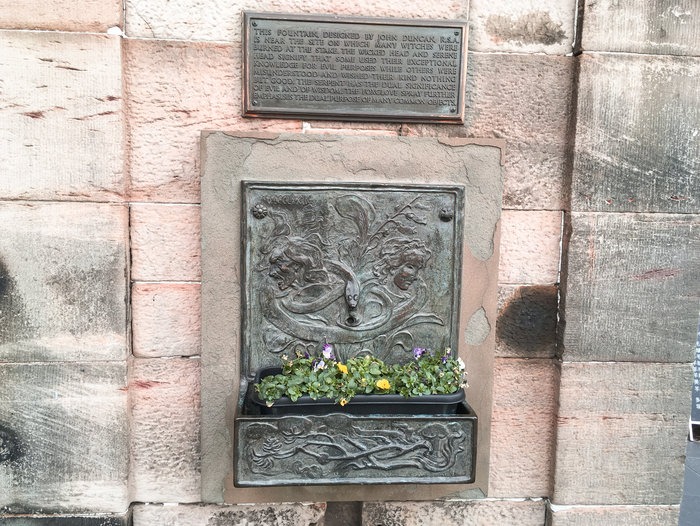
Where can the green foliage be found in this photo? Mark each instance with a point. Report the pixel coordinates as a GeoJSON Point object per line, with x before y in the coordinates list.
{"type": "Point", "coordinates": [324, 377]}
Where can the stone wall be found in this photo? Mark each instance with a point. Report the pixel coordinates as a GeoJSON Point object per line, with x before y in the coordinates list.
{"type": "Point", "coordinates": [101, 109]}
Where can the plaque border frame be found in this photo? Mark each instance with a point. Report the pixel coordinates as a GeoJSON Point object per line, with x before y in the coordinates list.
{"type": "Point", "coordinates": [249, 110]}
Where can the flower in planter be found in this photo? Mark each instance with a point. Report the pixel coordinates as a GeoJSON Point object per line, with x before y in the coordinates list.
{"type": "Point", "coordinates": [325, 377]}
{"type": "Point", "coordinates": [383, 384]}
{"type": "Point", "coordinates": [328, 352]}
{"type": "Point", "coordinates": [418, 352]}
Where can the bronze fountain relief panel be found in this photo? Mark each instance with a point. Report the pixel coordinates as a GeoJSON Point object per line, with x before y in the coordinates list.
{"type": "Point", "coordinates": [371, 269]}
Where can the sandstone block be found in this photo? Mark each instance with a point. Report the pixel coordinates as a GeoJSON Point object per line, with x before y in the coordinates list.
{"type": "Point", "coordinates": [165, 242]}
{"type": "Point", "coordinates": [523, 429]}
{"type": "Point", "coordinates": [176, 90]}
{"type": "Point", "coordinates": [530, 243]}
{"type": "Point", "coordinates": [613, 515]}
{"type": "Point", "coordinates": [61, 15]}
{"type": "Point", "coordinates": [642, 26]}
{"type": "Point", "coordinates": [63, 432]}
{"type": "Point", "coordinates": [621, 433]}
{"type": "Point", "coordinates": [189, 20]}
{"type": "Point", "coordinates": [164, 439]}
{"type": "Point", "coordinates": [529, 26]}
{"type": "Point", "coordinates": [166, 319]}
{"type": "Point", "coordinates": [637, 144]}
{"type": "Point", "coordinates": [632, 288]}
{"type": "Point", "coordinates": [455, 513]}
{"type": "Point", "coordinates": [504, 99]}
{"type": "Point", "coordinates": [296, 514]}
{"type": "Point", "coordinates": [527, 321]}
{"type": "Point", "coordinates": [61, 116]}
{"type": "Point", "coordinates": [62, 281]}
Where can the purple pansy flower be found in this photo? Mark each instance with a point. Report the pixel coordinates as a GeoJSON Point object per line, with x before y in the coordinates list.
{"type": "Point", "coordinates": [328, 352]}
{"type": "Point", "coordinates": [418, 352]}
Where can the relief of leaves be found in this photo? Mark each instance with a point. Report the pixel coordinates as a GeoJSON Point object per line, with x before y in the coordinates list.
{"type": "Point", "coordinates": [349, 251]}
{"type": "Point", "coordinates": [394, 222]}
{"type": "Point", "coordinates": [357, 210]}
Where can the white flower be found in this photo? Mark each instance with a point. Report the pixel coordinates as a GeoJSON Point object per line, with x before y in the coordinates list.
{"type": "Point", "coordinates": [461, 364]}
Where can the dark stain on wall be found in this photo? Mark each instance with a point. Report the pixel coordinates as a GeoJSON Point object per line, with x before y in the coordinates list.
{"type": "Point", "coordinates": [534, 28]}
{"type": "Point", "coordinates": [343, 514]}
{"type": "Point", "coordinates": [88, 295]}
{"type": "Point", "coordinates": [528, 319]}
{"type": "Point", "coordinates": [10, 445]}
{"type": "Point", "coordinates": [13, 323]}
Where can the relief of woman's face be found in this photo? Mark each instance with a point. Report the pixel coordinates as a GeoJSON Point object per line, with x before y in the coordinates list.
{"type": "Point", "coordinates": [406, 274]}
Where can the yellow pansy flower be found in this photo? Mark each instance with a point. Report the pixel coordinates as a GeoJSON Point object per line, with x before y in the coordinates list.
{"type": "Point", "coordinates": [343, 401]}
{"type": "Point", "coordinates": [383, 384]}
{"type": "Point", "coordinates": [342, 368]}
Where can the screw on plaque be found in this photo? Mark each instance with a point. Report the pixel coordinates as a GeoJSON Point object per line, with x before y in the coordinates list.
{"type": "Point", "coordinates": [456, 33]}
{"type": "Point", "coordinates": [255, 103]}
{"type": "Point", "coordinates": [453, 110]}
{"type": "Point", "coordinates": [446, 215]}
{"type": "Point", "coordinates": [254, 24]}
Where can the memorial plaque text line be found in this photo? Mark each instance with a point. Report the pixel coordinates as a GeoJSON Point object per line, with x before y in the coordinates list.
{"type": "Point", "coordinates": [345, 70]}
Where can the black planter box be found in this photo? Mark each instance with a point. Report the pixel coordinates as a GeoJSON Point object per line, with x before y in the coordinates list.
{"type": "Point", "coordinates": [373, 404]}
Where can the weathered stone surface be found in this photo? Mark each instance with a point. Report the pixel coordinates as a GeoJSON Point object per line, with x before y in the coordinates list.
{"type": "Point", "coordinates": [164, 438]}
{"type": "Point", "coordinates": [175, 90]}
{"type": "Point", "coordinates": [455, 513]}
{"type": "Point", "coordinates": [296, 514]}
{"type": "Point", "coordinates": [526, 26]}
{"type": "Point", "coordinates": [62, 281]}
{"type": "Point", "coordinates": [523, 430]}
{"type": "Point", "coordinates": [530, 246]}
{"type": "Point", "coordinates": [166, 319]}
{"type": "Point", "coordinates": [526, 100]}
{"type": "Point", "coordinates": [613, 515]}
{"type": "Point", "coordinates": [67, 432]}
{"type": "Point", "coordinates": [642, 26]}
{"type": "Point", "coordinates": [527, 321]}
{"type": "Point", "coordinates": [637, 143]}
{"type": "Point", "coordinates": [66, 520]}
{"type": "Point", "coordinates": [358, 128]}
{"type": "Point", "coordinates": [644, 309]}
{"type": "Point", "coordinates": [621, 433]}
{"type": "Point", "coordinates": [191, 20]}
{"type": "Point", "coordinates": [62, 15]}
{"type": "Point", "coordinates": [60, 116]}
{"type": "Point", "coordinates": [165, 242]}
{"type": "Point", "coordinates": [228, 159]}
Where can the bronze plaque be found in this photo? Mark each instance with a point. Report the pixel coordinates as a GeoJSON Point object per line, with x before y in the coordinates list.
{"type": "Point", "coordinates": [365, 69]}
{"type": "Point", "coordinates": [372, 269]}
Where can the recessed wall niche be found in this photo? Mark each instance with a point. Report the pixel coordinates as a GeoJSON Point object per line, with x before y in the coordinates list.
{"type": "Point", "coordinates": [340, 165]}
